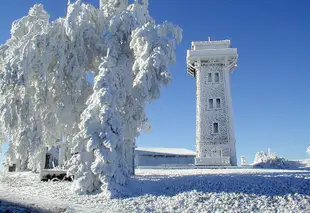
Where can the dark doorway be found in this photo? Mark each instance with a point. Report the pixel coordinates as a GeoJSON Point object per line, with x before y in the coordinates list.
{"type": "Point", "coordinates": [47, 161]}
{"type": "Point", "coordinates": [12, 168]}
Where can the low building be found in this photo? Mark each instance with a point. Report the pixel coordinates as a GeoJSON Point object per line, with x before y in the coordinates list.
{"type": "Point", "coordinates": [163, 156]}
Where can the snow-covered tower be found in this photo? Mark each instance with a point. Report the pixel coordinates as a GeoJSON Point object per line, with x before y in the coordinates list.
{"type": "Point", "coordinates": [210, 63]}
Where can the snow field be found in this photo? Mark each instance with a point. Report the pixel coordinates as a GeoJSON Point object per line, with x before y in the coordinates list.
{"type": "Point", "coordinates": [197, 190]}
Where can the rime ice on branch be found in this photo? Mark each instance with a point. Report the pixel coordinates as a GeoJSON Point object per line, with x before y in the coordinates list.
{"type": "Point", "coordinates": [45, 95]}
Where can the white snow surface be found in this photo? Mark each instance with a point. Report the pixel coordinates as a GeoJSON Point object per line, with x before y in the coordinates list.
{"type": "Point", "coordinates": [190, 190]}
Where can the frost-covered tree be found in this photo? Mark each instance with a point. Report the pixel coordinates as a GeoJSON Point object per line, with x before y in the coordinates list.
{"type": "Point", "coordinates": [270, 160]}
{"type": "Point", "coordinates": [46, 96]}
{"type": "Point", "coordinates": [261, 157]}
{"type": "Point", "coordinates": [17, 116]}
{"type": "Point", "coordinates": [132, 72]}
{"type": "Point", "coordinates": [43, 82]}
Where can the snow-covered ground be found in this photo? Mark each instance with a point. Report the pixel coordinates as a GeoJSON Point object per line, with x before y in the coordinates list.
{"type": "Point", "coordinates": [187, 190]}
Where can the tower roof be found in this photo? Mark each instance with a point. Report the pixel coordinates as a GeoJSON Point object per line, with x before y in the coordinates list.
{"type": "Point", "coordinates": [198, 45]}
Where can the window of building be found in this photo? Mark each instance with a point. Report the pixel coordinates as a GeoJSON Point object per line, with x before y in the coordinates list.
{"type": "Point", "coordinates": [216, 77]}
{"type": "Point", "coordinates": [218, 103]}
{"type": "Point", "coordinates": [209, 77]}
{"type": "Point", "coordinates": [210, 103]}
{"type": "Point", "coordinates": [215, 127]}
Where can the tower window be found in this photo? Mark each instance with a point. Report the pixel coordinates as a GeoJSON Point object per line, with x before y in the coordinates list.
{"type": "Point", "coordinates": [209, 77]}
{"type": "Point", "coordinates": [216, 77]}
{"type": "Point", "coordinates": [218, 103]}
{"type": "Point", "coordinates": [210, 103]}
{"type": "Point", "coordinates": [215, 127]}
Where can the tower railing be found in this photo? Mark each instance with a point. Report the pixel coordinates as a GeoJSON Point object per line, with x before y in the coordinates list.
{"type": "Point", "coordinates": [214, 161]}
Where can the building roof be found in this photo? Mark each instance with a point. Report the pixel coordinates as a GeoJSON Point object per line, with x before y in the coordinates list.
{"type": "Point", "coordinates": [164, 151]}
{"type": "Point", "coordinates": [210, 44]}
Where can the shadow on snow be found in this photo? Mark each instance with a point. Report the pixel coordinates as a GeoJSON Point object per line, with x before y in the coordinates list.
{"type": "Point", "coordinates": [268, 184]}
{"type": "Point", "coordinates": [10, 207]}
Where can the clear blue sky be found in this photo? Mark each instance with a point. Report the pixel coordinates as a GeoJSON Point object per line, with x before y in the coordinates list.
{"type": "Point", "coordinates": [270, 87]}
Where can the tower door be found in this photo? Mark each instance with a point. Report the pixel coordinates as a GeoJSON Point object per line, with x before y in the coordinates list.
{"type": "Point", "coordinates": [216, 153]}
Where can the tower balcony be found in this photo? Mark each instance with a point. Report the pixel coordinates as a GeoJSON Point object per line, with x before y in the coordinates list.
{"type": "Point", "coordinates": [213, 161]}
{"type": "Point", "coordinates": [211, 52]}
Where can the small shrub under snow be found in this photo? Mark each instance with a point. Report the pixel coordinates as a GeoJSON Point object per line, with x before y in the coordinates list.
{"type": "Point", "coordinates": [264, 160]}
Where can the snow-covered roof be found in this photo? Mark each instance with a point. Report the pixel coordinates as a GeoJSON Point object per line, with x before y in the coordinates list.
{"type": "Point", "coordinates": [196, 45]}
{"type": "Point", "coordinates": [164, 151]}
{"type": "Point", "coordinates": [205, 53]}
